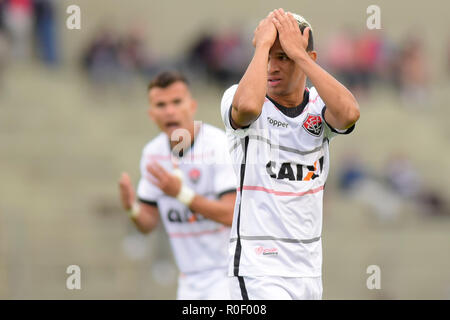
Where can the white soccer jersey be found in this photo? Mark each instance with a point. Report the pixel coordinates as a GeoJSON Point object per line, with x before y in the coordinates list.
{"type": "Point", "coordinates": [198, 243]}
{"type": "Point", "coordinates": [282, 163]}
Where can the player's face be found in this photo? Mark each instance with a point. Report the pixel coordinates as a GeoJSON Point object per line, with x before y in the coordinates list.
{"type": "Point", "coordinates": [284, 75]}
{"type": "Point", "coordinates": [172, 108]}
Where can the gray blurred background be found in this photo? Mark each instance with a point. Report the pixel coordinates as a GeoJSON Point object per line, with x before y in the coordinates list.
{"type": "Point", "coordinates": [73, 117]}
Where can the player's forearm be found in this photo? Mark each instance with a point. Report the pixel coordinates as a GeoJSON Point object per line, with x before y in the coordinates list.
{"type": "Point", "coordinates": [145, 223]}
{"type": "Point", "coordinates": [339, 100]}
{"type": "Point", "coordinates": [250, 94]}
{"type": "Point", "coordinates": [217, 210]}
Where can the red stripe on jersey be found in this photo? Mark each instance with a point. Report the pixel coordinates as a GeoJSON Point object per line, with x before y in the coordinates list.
{"type": "Point", "coordinates": [282, 193]}
{"type": "Point", "coordinates": [314, 101]}
{"type": "Point", "coordinates": [196, 234]}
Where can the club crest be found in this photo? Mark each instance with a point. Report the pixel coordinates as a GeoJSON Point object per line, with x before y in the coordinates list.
{"type": "Point", "coordinates": [313, 124]}
{"type": "Point", "coordinates": [194, 175]}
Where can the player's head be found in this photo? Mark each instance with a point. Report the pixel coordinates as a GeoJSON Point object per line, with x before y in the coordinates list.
{"type": "Point", "coordinates": [284, 75]}
{"type": "Point", "coordinates": [302, 24]}
{"type": "Point", "coordinates": [171, 103]}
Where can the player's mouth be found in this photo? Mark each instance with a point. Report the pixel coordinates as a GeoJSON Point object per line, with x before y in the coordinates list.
{"type": "Point", "coordinates": [273, 82]}
{"type": "Point", "coordinates": [172, 125]}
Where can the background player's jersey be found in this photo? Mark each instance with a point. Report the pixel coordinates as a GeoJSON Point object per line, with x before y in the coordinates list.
{"type": "Point", "coordinates": [198, 243]}
{"type": "Point", "coordinates": [282, 163]}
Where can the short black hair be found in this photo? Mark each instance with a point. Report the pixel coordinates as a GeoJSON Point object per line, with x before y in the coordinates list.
{"type": "Point", "coordinates": [302, 23]}
{"type": "Point", "coordinates": [310, 46]}
{"type": "Point", "coordinates": [166, 78]}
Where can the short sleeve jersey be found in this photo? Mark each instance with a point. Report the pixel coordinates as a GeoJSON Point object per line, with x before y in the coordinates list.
{"type": "Point", "coordinates": [198, 243]}
{"type": "Point", "coordinates": [282, 163]}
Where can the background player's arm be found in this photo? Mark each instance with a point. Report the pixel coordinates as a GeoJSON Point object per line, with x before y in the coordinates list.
{"type": "Point", "coordinates": [250, 94]}
{"type": "Point", "coordinates": [147, 217]}
{"type": "Point", "coordinates": [342, 108]}
{"type": "Point", "coordinates": [218, 210]}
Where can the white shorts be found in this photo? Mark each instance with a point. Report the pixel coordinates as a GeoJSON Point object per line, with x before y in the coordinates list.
{"type": "Point", "coordinates": [204, 285]}
{"type": "Point", "coordinates": [275, 288]}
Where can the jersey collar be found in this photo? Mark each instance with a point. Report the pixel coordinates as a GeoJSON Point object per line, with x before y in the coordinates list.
{"type": "Point", "coordinates": [181, 153]}
{"type": "Point", "coordinates": [295, 111]}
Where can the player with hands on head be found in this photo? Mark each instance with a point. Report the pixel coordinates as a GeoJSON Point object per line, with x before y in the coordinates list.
{"type": "Point", "coordinates": [187, 181]}
{"type": "Point", "coordinates": [279, 133]}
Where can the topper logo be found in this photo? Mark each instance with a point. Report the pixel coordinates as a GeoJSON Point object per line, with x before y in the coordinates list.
{"type": "Point", "coordinates": [277, 123]}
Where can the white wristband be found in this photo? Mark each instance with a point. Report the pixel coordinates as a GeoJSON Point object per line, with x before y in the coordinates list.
{"type": "Point", "coordinates": [186, 194]}
{"type": "Point", "coordinates": [134, 211]}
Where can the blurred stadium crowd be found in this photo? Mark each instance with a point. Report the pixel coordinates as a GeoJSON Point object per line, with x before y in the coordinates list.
{"type": "Point", "coordinates": [361, 60]}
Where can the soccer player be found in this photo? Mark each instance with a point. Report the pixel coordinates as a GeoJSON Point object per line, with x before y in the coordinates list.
{"type": "Point", "coordinates": [278, 133]}
{"type": "Point", "coordinates": [188, 182]}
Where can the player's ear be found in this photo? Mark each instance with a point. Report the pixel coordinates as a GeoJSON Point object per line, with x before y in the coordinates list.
{"type": "Point", "coordinates": [150, 112]}
{"type": "Point", "coordinates": [194, 105]}
{"type": "Point", "coordinates": [313, 55]}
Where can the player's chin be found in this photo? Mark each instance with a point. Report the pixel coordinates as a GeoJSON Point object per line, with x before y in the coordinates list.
{"type": "Point", "coordinates": [274, 90]}
{"type": "Point", "coordinates": [170, 129]}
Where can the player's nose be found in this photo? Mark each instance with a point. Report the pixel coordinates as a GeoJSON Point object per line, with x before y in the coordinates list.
{"type": "Point", "coordinates": [170, 110]}
{"type": "Point", "coordinates": [273, 66]}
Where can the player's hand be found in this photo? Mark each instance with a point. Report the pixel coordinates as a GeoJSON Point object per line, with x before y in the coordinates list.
{"type": "Point", "coordinates": [265, 33]}
{"type": "Point", "coordinates": [127, 195]}
{"type": "Point", "coordinates": [293, 42]}
{"type": "Point", "coordinates": [168, 183]}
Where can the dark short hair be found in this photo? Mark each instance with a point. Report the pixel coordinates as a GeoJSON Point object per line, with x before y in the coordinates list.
{"type": "Point", "coordinates": [166, 78]}
{"type": "Point", "coordinates": [302, 23]}
{"type": "Point", "coordinates": [310, 46]}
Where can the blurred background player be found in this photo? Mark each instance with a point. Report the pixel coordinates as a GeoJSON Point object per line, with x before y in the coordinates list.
{"type": "Point", "coordinates": [279, 132]}
{"type": "Point", "coordinates": [187, 181]}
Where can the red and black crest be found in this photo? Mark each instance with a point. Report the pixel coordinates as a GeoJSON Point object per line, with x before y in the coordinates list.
{"type": "Point", "coordinates": [194, 175]}
{"type": "Point", "coordinates": [313, 124]}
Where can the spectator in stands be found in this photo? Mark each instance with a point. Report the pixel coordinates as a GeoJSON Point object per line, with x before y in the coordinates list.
{"type": "Point", "coordinates": [340, 57]}
{"type": "Point", "coordinates": [368, 189]}
{"type": "Point", "coordinates": [133, 54]}
{"type": "Point", "coordinates": [100, 59]}
{"type": "Point", "coordinates": [4, 44]}
{"type": "Point", "coordinates": [18, 21]}
{"type": "Point", "coordinates": [45, 33]}
{"type": "Point", "coordinates": [221, 57]}
{"type": "Point", "coordinates": [111, 58]}
{"type": "Point", "coordinates": [368, 55]}
{"type": "Point", "coordinates": [405, 181]}
{"type": "Point", "coordinates": [413, 73]}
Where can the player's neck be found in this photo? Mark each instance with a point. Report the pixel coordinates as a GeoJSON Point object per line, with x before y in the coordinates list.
{"type": "Point", "coordinates": [193, 130]}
